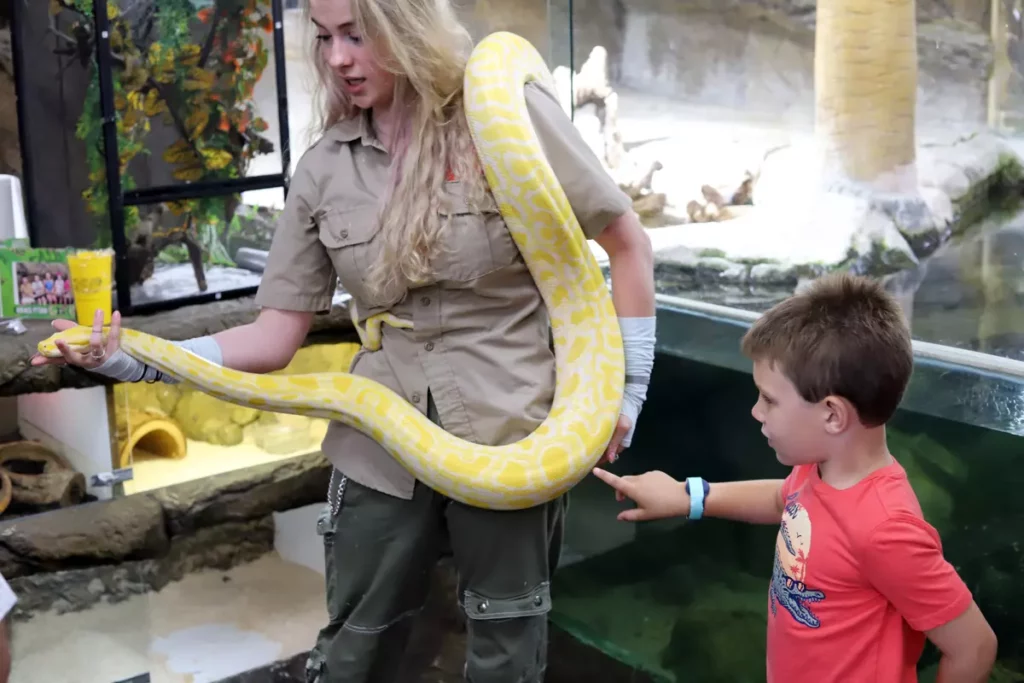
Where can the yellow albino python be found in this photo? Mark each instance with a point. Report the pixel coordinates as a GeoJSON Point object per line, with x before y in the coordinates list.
{"type": "Point", "coordinates": [588, 345]}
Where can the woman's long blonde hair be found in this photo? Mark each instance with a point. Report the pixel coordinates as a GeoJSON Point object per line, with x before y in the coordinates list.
{"type": "Point", "coordinates": [425, 45]}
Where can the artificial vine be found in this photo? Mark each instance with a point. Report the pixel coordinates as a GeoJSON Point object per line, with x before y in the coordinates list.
{"type": "Point", "coordinates": [202, 88]}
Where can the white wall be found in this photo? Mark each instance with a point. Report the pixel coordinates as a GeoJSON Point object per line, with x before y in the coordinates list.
{"type": "Point", "coordinates": [295, 537]}
{"type": "Point", "coordinates": [72, 422]}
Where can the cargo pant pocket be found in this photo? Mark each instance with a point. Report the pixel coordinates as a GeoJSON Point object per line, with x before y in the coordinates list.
{"type": "Point", "coordinates": [507, 636]}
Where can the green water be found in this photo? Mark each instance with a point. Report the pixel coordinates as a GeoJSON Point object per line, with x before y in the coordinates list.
{"type": "Point", "coordinates": [688, 602]}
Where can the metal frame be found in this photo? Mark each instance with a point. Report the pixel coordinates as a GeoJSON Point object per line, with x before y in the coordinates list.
{"type": "Point", "coordinates": [19, 103]}
{"type": "Point", "coordinates": [555, 37]}
{"type": "Point", "coordinates": [118, 200]}
{"type": "Point", "coordinates": [572, 62]}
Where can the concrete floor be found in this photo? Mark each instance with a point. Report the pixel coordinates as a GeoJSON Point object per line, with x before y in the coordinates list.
{"type": "Point", "coordinates": [209, 626]}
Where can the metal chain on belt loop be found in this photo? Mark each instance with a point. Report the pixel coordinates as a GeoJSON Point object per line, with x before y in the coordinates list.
{"type": "Point", "coordinates": [334, 496]}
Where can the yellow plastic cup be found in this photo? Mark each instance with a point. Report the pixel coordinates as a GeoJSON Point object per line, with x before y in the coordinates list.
{"type": "Point", "coordinates": [92, 284]}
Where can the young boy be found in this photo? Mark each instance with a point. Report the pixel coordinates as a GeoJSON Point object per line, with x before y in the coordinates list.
{"type": "Point", "coordinates": [852, 601]}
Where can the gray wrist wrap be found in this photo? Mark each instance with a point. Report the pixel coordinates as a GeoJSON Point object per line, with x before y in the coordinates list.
{"type": "Point", "coordinates": [124, 368]}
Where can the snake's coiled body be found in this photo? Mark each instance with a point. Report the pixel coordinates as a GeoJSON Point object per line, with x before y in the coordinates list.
{"type": "Point", "coordinates": [588, 346]}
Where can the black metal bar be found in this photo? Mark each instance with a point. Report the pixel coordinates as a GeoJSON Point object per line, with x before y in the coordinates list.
{"type": "Point", "coordinates": [191, 300]}
{"type": "Point", "coordinates": [112, 154]}
{"type": "Point", "coordinates": [198, 190]}
{"type": "Point", "coordinates": [23, 139]}
{"type": "Point", "coordinates": [572, 66]}
{"type": "Point", "coordinates": [282, 92]}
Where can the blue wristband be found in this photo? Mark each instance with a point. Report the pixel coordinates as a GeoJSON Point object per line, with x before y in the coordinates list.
{"type": "Point", "coordinates": [698, 490]}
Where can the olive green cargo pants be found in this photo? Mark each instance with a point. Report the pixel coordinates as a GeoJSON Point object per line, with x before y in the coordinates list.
{"type": "Point", "coordinates": [380, 552]}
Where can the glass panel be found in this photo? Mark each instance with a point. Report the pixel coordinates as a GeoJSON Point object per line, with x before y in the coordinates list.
{"type": "Point", "coordinates": [174, 433]}
{"type": "Point", "coordinates": [560, 57]}
{"type": "Point", "coordinates": [940, 389]}
{"type": "Point", "coordinates": [769, 168]}
{"type": "Point", "coordinates": [299, 39]}
{"type": "Point", "coordinates": [528, 18]}
{"type": "Point", "coordinates": [689, 602]}
{"type": "Point", "coordinates": [199, 246]}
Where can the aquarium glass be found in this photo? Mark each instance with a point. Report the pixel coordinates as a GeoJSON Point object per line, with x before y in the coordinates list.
{"type": "Point", "coordinates": [169, 434]}
{"type": "Point", "coordinates": [687, 602]}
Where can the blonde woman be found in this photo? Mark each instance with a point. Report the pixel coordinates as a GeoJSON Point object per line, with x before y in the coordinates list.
{"type": "Point", "coordinates": [391, 201]}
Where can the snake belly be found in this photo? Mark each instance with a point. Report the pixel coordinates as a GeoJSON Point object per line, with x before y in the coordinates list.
{"type": "Point", "coordinates": [587, 342]}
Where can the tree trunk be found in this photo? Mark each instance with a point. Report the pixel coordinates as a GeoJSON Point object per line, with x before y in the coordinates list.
{"type": "Point", "coordinates": [865, 81]}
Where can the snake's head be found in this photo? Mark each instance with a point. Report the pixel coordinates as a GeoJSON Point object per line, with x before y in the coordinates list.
{"type": "Point", "coordinates": [77, 338]}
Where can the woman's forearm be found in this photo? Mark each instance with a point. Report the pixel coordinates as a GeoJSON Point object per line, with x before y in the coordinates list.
{"type": "Point", "coordinates": [264, 345]}
{"type": "Point", "coordinates": [631, 263]}
{"type": "Point", "coordinates": [267, 344]}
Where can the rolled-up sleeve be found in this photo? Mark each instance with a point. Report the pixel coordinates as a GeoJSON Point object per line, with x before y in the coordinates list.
{"type": "Point", "coordinates": [594, 196]}
{"type": "Point", "coordinates": [299, 275]}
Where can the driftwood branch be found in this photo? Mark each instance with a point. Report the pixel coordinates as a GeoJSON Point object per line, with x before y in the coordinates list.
{"type": "Point", "coordinates": [150, 239]}
{"type": "Point", "coordinates": [39, 476]}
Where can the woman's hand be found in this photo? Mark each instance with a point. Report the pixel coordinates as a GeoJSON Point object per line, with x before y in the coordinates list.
{"type": "Point", "coordinates": [98, 351]}
{"type": "Point", "coordinates": [615, 446]}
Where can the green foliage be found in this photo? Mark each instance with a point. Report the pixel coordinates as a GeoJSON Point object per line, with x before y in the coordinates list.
{"type": "Point", "coordinates": [200, 87]}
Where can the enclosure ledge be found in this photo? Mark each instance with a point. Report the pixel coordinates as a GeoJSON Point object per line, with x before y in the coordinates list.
{"type": "Point", "coordinates": [17, 376]}
{"type": "Point", "coordinates": [72, 558]}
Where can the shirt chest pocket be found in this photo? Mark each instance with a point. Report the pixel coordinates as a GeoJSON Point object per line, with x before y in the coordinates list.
{"type": "Point", "coordinates": [352, 239]}
{"type": "Point", "coordinates": [475, 242]}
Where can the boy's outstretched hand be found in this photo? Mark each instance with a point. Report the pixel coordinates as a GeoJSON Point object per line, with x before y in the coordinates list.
{"type": "Point", "coordinates": [656, 495]}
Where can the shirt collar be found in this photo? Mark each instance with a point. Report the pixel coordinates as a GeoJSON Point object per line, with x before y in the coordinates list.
{"type": "Point", "coordinates": [356, 128]}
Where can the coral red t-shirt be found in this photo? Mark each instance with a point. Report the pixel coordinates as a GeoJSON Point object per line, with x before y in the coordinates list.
{"type": "Point", "coordinates": [858, 577]}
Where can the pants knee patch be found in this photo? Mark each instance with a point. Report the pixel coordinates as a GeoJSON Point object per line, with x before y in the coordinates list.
{"type": "Point", "coordinates": [507, 636]}
{"type": "Point", "coordinates": [536, 602]}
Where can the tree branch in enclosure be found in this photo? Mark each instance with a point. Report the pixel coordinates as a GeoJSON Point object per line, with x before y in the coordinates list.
{"type": "Point", "coordinates": [590, 85]}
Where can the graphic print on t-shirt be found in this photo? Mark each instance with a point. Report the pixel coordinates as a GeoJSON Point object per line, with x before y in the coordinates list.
{"type": "Point", "coordinates": [792, 549]}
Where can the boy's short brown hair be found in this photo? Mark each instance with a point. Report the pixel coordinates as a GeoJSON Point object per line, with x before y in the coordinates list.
{"type": "Point", "coordinates": [842, 336]}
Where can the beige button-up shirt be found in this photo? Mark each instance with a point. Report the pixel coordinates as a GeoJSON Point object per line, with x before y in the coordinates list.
{"type": "Point", "coordinates": [480, 343]}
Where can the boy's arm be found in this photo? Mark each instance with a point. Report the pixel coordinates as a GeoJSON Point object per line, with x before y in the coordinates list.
{"type": "Point", "coordinates": [657, 495]}
{"type": "Point", "coordinates": [903, 560]}
{"type": "Point", "coordinates": [968, 648]}
{"type": "Point", "coordinates": [758, 501]}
